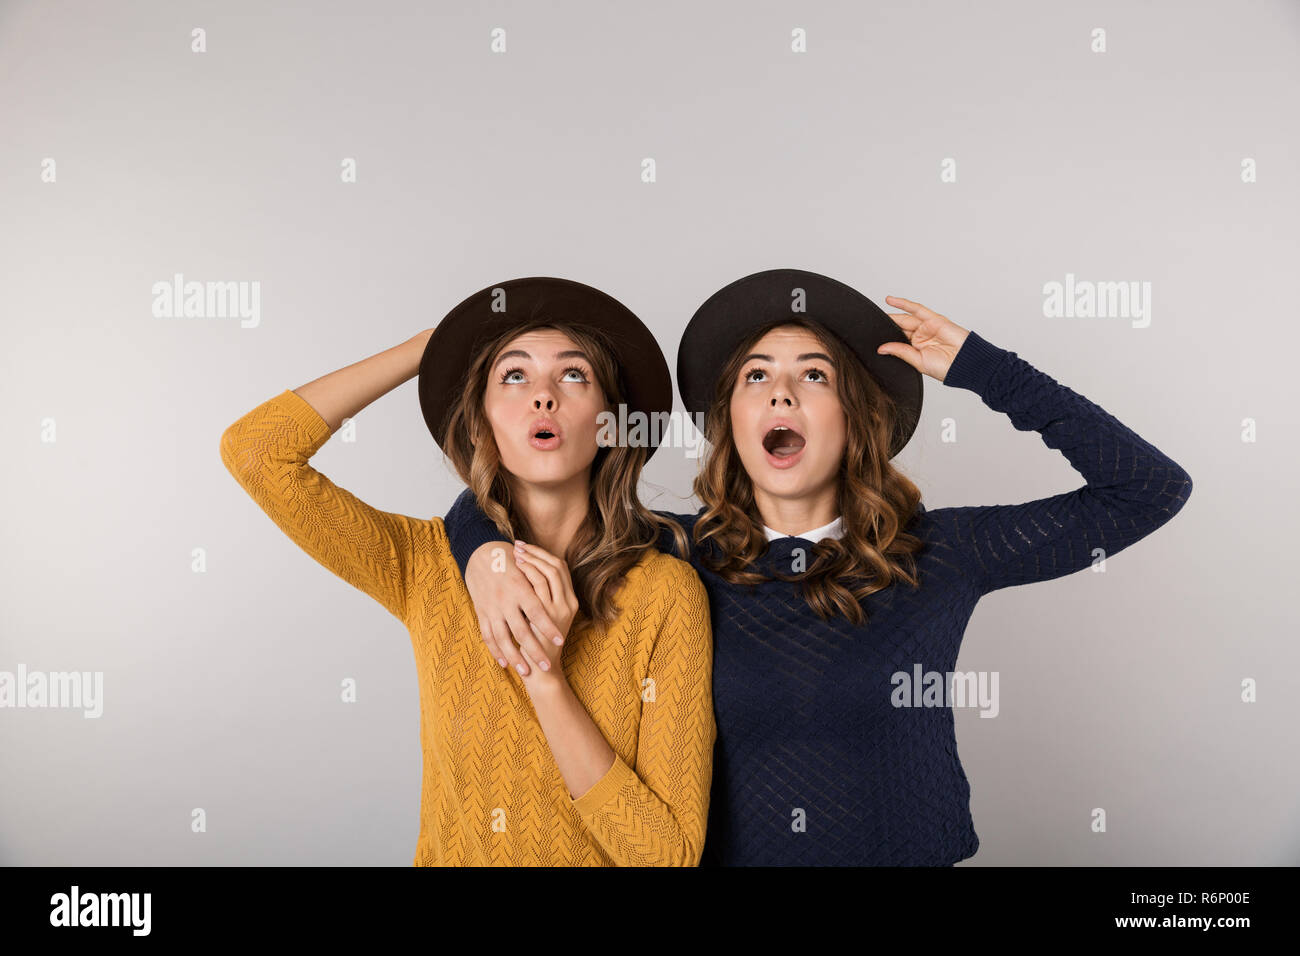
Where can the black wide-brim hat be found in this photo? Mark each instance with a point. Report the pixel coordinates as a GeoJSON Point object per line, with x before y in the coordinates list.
{"type": "Point", "coordinates": [527, 303]}
{"type": "Point", "coordinates": [735, 311]}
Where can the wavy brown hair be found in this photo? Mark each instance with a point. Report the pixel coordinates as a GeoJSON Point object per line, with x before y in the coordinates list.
{"type": "Point", "coordinates": [618, 529]}
{"type": "Point", "coordinates": [875, 500]}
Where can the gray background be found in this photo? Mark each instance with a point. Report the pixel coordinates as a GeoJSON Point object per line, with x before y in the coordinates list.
{"type": "Point", "coordinates": [1118, 690]}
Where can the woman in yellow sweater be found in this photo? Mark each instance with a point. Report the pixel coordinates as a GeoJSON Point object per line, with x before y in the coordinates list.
{"type": "Point", "coordinates": [605, 755]}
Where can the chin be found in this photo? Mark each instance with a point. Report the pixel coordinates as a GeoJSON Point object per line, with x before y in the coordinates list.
{"type": "Point", "coordinates": [542, 473]}
{"type": "Point", "coordinates": [790, 488]}
{"type": "Point", "coordinates": [789, 483]}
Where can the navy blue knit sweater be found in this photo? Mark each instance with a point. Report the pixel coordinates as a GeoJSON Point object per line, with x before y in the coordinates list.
{"type": "Point", "coordinates": [814, 764]}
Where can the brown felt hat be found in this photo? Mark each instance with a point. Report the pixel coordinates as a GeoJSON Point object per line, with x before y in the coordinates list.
{"type": "Point", "coordinates": [517, 303]}
{"type": "Point", "coordinates": [733, 312]}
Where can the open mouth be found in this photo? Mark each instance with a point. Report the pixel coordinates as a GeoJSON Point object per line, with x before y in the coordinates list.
{"type": "Point", "coordinates": [545, 435]}
{"type": "Point", "coordinates": [783, 442]}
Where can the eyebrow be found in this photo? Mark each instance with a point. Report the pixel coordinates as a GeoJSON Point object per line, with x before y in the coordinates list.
{"type": "Point", "coordinates": [802, 358]}
{"type": "Point", "coordinates": [520, 353]}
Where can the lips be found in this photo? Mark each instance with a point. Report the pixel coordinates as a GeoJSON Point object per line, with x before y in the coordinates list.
{"type": "Point", "coordinates": [782, 440]}
{"type": "Point", "coordinates": [544, 434]}
{"type": "Point", "coordinates": [544, 428]}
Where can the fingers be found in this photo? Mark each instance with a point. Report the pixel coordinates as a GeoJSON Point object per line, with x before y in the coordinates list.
{"type": "Point", "coordinates": [561, 584]}
{"type": "Point", "coordinates": [528, 644]}
{"type": "Point", "coordinates": [534, 610]}
{"type": "Point", "coordinates": [553, 590]}
{"type": "Point", "coordinates": [510, 637]}
{"type": "Point", "coordinates": [907, 323]}
{"type": "Point", "coordinates": [544, 566]}
{"type": "Point", "coordinates": [540, 553]}
{"type": "Point", "coordinates": [906, 352]}
{"type": "Point", "coordinates": [490, 640]}
{"type": "Point", "coordinates": [540, 582]}
{"type": "Point", "coordinates": [546, 559]}
{"type": "Point", "coordinates": [915, 308]}
{"type": "Point", "coordinates": [511, 654]}
{"type": "Point", "coordinates": [478, 577]}
{"type": "Point", "coordinates": [541, 621]}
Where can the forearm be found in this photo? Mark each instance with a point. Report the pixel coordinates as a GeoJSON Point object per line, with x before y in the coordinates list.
{"type": "Point", "coordinates": [1132, 488]}
{"type": "Point", "coordinates": [649, 808]}
{"type": "Point", "coordinates": [1106, 452]}
{"type": "Point", "coordinates": [581, 752]}
{"type": "Point", "coordinates": [268, 451]}
{"type": "Point", "coordinates": [344, 393]}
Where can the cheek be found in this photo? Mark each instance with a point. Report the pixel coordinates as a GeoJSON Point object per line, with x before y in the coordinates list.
{"type": "Point", "coordinates": [586, 432]}
{"type": "Point", "coordinates": [839, 435]}
{"type": "Point", "coordinates": [492, 408]}
{"type": "Point", "coordinates": [588, 420]}
{"type": "Point", "coordinates": [503, 421]}
{"type": "Point", "coordinates": [742, 436]}
{"type": "Point", "coordinates": [743, 422]}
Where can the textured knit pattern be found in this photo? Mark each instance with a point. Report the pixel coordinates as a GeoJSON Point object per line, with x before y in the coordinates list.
{"type": "Point", "coordinates": [492, 793]}
{"type": "Point", "coordinates": [807, 733]}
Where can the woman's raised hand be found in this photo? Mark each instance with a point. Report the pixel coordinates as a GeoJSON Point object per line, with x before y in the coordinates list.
{"type": "Point", "coordinates": [933, 340]}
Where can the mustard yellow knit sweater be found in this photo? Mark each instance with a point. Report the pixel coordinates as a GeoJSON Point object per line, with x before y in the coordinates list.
{"type": "Point", "coordinates": [492, 794]}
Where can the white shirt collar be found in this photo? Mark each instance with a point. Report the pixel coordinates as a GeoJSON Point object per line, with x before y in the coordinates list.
{"type": "Point", "coordinates": [833, 530]}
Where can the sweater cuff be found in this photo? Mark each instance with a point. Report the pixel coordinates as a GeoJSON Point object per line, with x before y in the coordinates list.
{"type": "Point", "coordinates": [974, 364]}
{"type": "Point", "coordinates": [306, 417]}
{"type": "Point", "coordinates": [605, 789]}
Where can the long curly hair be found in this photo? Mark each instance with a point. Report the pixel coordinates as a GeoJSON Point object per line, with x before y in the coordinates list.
{"type": "Point", "coordinates": [618, 529]}
{"type": "Point", "coordinates": [876, 501]}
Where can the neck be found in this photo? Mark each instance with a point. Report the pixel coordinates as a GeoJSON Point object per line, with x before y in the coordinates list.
{"type": "Point", "coordinates": [555, 512]}
{"type": "Point", "coordinates": [797, 515]}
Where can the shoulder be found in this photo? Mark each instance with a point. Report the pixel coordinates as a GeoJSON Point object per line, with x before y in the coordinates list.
{"type": "Point", "coordinates": [667, 568]}
{"type": "Point", "coordinates": [671, 588]}
{"type": "Point", "coordinates": [937, 523]}
{"type": "Point", "coordinates": [674, 605]}
{"type": "Point", "coordinates": [665, 581]}
{"type": "Point", "coordinates": [430, 544]}
{"type": "Point", "coordinates": [951, 536]}
{"type": "Point", "coordinates": [938, 527]}
{"type": "Point", "coordinates": [435, 529]}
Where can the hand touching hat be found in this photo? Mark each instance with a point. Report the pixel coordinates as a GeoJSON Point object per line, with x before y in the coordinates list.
{"type": "Point", "coordinates": [933, 340]}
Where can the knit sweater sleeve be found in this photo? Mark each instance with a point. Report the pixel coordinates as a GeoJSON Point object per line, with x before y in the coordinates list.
{"type": "Point", "coordinates": [268, 450]}
{"type": "Point", "coordinates": [1132, 488]}
{"type": "Point", "coordinates": [655, 813]}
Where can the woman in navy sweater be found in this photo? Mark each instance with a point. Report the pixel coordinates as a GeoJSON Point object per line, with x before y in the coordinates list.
{"type": "Point", "coordinates": [831, 585]}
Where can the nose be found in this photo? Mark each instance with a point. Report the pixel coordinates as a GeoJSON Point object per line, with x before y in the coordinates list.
{"type": "Point", "coordinates": [545, 402]}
